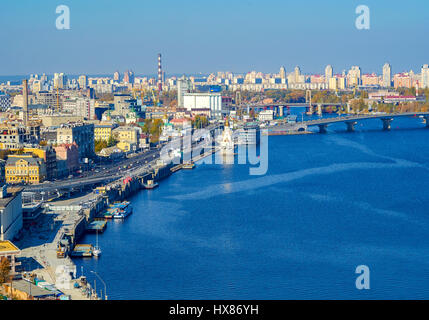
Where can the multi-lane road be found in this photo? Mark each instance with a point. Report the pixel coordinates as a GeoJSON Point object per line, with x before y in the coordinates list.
{"type": "Point", "coordinates": [135, 164]}
{"type": "Point", "coordinates": [102, 173]}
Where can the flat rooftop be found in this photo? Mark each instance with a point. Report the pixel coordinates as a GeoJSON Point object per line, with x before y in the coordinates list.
{"type": "Point", "coordinates": [24, 286]}
{"type": "Point", "coordinates": [11, 193]}
{"type": "Point", "coordinates": [7, 246]}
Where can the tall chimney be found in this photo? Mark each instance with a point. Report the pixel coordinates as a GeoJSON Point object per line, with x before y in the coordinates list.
{"type": "Point", "coordinates": [25, 96]}
{"type": "Point", "coordinates": [159, 73]}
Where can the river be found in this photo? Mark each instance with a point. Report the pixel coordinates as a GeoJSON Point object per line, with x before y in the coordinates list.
{"type": "Point", "coordinates": [328, 203]}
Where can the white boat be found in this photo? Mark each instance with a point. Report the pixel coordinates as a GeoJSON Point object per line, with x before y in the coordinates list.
{"type": "Point", "coordinates": [122, 210]}
{"type": "Point", "coordinates": [96, 251]}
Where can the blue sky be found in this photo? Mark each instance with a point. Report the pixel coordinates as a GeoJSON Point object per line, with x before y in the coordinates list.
{"type": "Point", "coordinates": [206, 36]}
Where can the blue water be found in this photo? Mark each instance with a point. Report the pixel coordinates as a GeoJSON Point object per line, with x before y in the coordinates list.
{"type": "Point", "coordinates": [327, 204]}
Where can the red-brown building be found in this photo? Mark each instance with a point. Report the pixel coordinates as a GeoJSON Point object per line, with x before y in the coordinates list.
{"type": "Point", "coordinates": [67, 157]}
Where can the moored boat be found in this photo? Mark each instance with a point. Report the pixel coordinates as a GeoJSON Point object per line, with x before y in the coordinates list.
{"type": "Point", "coordinates": [122, 210]}
{"type": "Point", "coordinates": [118, 210]}
{"type": "Point", "coordinates": [188, 165]}
{"type": "Point", "coordinates": [150, 184]}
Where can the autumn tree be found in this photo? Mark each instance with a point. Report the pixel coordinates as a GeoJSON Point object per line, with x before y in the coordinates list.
{"type": "Point", "coordinates": [4, 270]}
{"type": "Point", "coordinates": [99, 145]}
{"type": "Point", "coordinates": [200, 122]}
{"type": "Point", "coordinates": [4, 153]}
{"type": "Point", "coordinates": [112, 141]}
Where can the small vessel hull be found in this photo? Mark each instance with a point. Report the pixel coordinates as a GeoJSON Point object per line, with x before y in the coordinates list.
{"type": "Point", "coordinates": [150, 186]}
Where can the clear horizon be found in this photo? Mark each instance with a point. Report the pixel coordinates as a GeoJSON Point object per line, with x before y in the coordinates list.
{"type": "Point", "coordinates": [203, 37]}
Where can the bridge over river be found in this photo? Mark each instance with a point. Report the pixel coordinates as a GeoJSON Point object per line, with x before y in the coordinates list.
{"type": "Point", "coordinates": [279, 107]}
{"type": "Point", "coordinates": [352, 120]}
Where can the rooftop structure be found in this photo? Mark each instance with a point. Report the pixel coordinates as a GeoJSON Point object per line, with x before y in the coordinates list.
{"type": "Point", "coordinates": [9, 251]}
{"type": "Point", "coordinates": [10, 212]}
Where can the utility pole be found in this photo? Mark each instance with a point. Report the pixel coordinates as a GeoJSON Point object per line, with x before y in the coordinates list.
{"type": "Point", "coordinates": [105, 287]}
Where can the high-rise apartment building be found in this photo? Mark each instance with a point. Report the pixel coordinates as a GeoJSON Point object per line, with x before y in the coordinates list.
{"type": "Point", "coordinates": [329, 72]}
{"type": "Point", "coordinates": [425, 76]}
{"type": "Point", "coordinates": [83, 82]}
{"type": "Point", "coordinates": [282, 73]}
{"type": "Point", "coordinates": [387, 75]}
{"type": "Point", "coordinates": [60, 80]}
{"type": "Point", "coordinates": [116, 76]}
{"type": "Point", "coordinates": [354, 76]}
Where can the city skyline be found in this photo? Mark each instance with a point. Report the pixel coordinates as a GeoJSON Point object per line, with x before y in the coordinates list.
{"type": "Point", "coordinates": [204, 38]}
{"type": "Point", "coordinates": [287, 71]}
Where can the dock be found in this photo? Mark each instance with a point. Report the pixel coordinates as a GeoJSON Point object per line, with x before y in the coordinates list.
{"type": "Point", "coordinates": [206, 154]}
{"type": "Point", "coordinates": [176, 168]}
{"type": "Point", "coordinates": [98, 225]}
{"type": "Point", "coordinates": [82, 250]}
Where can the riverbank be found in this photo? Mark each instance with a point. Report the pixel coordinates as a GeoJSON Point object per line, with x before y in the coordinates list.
{"type": "Point", "coordinates": [68, 219]}
{"type": "Point", "coordinates": [217, 233]}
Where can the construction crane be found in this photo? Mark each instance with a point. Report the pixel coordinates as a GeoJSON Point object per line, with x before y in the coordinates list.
{"type": "Point", "coordinates": [155, 100]}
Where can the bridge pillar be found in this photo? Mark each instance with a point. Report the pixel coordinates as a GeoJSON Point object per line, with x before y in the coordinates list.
{"type": "Point", "coordinates": [319, 109]}
{"type": "Point", "coordinates": [310, 110]}
{"type": "Point", "coordinates": [351, 125]}
{"type": "Point", "coordinates": [427, 121]}
{"type": "Point", "coordinates": [323, 128]}
{"type": "Point", "coordinates": [281, 111]}
{"type": "Point", "coordinates": [386, 123]}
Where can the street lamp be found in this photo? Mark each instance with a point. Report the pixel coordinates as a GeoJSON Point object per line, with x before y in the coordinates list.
{"type": "Point", "coordinates": [105, 287]}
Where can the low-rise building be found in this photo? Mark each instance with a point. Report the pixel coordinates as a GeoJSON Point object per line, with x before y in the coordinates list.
{"type": "Point", "coordinates": [67, 155]}
{"type": "Point", "coordinates": [81, 133]}
{"type": "Point", "coordinates": [12, 136]}
{"type": "Point", "coordinates": [58, 119]}
{"type": "Point", "coordinates": [11, 220]}
{"type": "Point", "coordinates": [80, 106]}
{"type": "Point", "coordinates": [127, 134]}
{"type": "Point", "coordinates": [144, 142]}
{"type": "Point", "coordinates": [25, 169]}
{"type": "Point", "coordinates": [47, 153]}
{"type": "Point", "coordinates": [211, 101]}
{"type": "Point", "coordinates": [201, 112]}
{"type": "Point", "coordinates": [111, 153]}
{"type": "Point", "coordinates": [127, 146]}
{"type": "Point", "coordinates": [104, 131]}
{"type": "Point", "coordinates": [5, 101]}
{"type": "Point", "coordinates": [9, 251]}
{"type": "Point", "coordinates": [25, 290]}
{"type": "Point", "coordinates": [266, 115]}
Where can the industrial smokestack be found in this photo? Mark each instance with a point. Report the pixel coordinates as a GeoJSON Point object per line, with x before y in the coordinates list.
{"type": "Point", "coordinates": [159, 73]}
{"type": "Point", "coordinates": [25, 97]}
